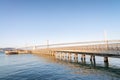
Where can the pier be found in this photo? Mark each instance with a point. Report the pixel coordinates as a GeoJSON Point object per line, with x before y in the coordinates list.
{"type": "Point", "coordinates": [17, 51]}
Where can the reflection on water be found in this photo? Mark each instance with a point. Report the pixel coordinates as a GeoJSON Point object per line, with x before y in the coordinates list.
{"type": "Point", "coordinates": [87, 64]}
{"type": "Point", "coordinates": [37, 67]}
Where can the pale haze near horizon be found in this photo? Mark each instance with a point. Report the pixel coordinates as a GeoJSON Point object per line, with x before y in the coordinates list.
{"type": "Point", "coordinates": [33, 22]}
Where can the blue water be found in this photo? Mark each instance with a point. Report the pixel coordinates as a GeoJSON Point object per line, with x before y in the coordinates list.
{"type": "Point", "coordinates": [36, 67]}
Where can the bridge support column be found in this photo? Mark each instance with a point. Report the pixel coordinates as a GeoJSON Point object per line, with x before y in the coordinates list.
{"type": "Point", "coordinates": [66, 54]}
{"type": "Point", "coordinates": [63, 55]}
{"type": "Point", "coordinates": [105, 59]}
{"type": "Point", "coordinates": [106, 62]}
{"type": "Point", "coordinates": [76, 57]}
{"type": "Point", "coordinates": [51, 53]}
{"type": "Point", "coordinates": [69, 56]}
{"type": "Point", "coordinates": [92, 60]}
{"type": "Point", "coordinates": [57, 55]}
{"type": "Point", "coordinates": [91, 57]}
{"type": "Point", "coordinates": [83, 57]}
{"type": "Point", "coordinates": [60, 53]}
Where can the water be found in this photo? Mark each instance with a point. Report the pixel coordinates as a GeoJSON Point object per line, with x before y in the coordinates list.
{"type": "Point", "coordinates": [36, 67]}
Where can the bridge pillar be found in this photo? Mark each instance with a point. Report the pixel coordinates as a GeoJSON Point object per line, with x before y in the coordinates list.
{"type": "Point", "coordinates": [63, 56]}
{"type": "Point", "coordinates": [83, 57]}
{"type": "Point", "coordinates": [66, 54]}
{"type": "Point", "coordinates": [53, 53]}
{"type": "Point", "coordinates": [91, 57]}
{"type": "Point", "coordinates": [92, 60]}
{"type": "Point", "coordinates": [106, 64]}
{"type": "Point", "coordinates": [60, 55]}
{"type": "Point", "coordinates": [76, 57]}
{"type": "Point", "coordinates": [50, 53]}
{"type": "Point", "coordinates": [105, 59]}
{"type": "Point", "coordinates": [69, 56]}
{"type": "Point", "coordinates": [56, 54]}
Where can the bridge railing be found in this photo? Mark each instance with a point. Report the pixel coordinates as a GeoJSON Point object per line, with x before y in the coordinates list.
{"type": "Point", "coordinates": [103, 45]}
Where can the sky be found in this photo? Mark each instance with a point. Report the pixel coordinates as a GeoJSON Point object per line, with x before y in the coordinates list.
{"type": "Point", "coordinates": [33, 22]}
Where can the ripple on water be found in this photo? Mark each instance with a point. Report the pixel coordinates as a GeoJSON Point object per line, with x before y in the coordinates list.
{"type": "Point", "coordinates": [32, 67]}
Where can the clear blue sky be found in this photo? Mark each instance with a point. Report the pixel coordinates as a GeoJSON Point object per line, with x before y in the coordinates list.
{"type": "Point", "coordinates": [30, 22]}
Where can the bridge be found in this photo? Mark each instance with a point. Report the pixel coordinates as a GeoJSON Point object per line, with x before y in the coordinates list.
{"type": "Point", "coordinates": [107, 48]}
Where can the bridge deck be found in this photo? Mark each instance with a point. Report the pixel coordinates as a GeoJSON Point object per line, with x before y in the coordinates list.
{"type": "Point", "coordinates": [88, 53]}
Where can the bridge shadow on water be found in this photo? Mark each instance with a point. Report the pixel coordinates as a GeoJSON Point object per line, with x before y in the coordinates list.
{"type": "Point", "coordinates": [92, 65]}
